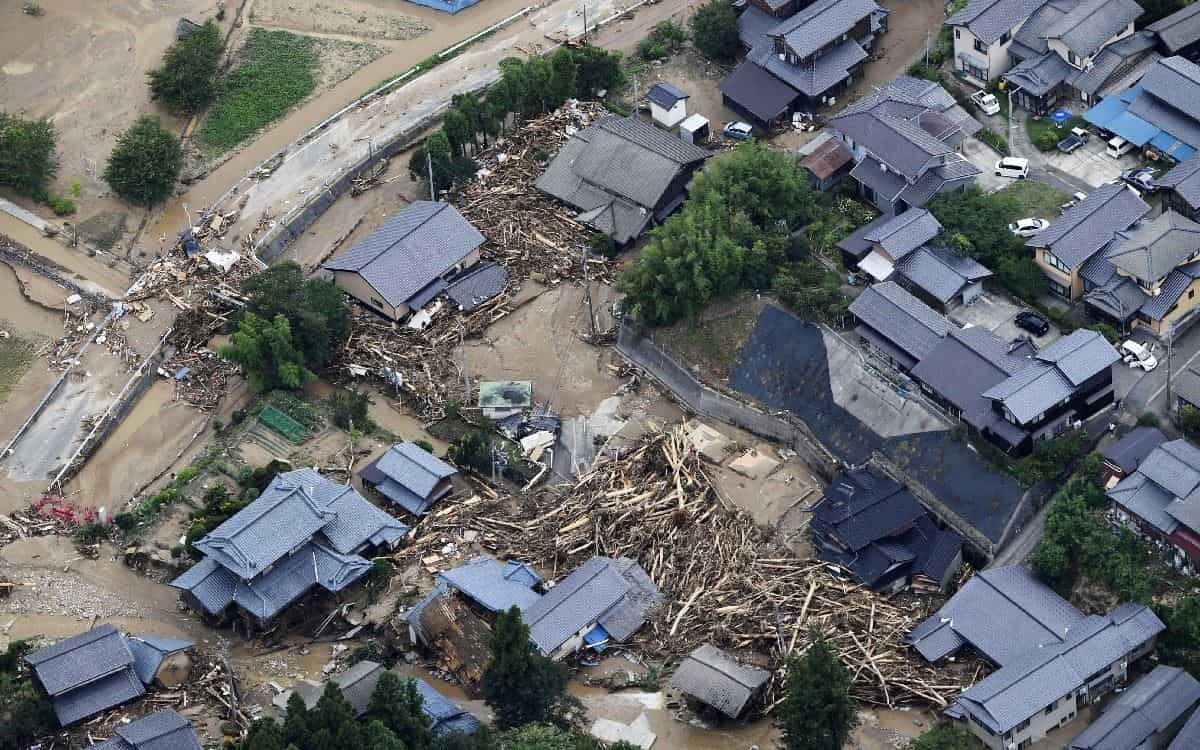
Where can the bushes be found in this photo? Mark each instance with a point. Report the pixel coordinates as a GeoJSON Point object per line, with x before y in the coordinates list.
{"type": "Point", "coordinates": [28, 157]}
{"type": "Point", "coordinates": [1187, 419]}
{"type": "Point", "coordinates": [474, 451]}
{"type": "Point", "coordinates": [664, 40]}
{"type": "Point", "coordinates": [59, 205]}
{"type": "Point", "coordinates": [145, 162]}
{"type": "Point", "coordinates": [715, 30]}
{"type": "Point", "coordinates": [187, 80]}
{"type": "Point", "coordinates": [998, 142]}
{"type": "Point", "coordinates": [267, 353]}
{"type": "Point", "coordinates": [316, 310]}
{"type": "Point", "coordinates": [350, 409]}
{"type": "Point", "coordinates": [1051, 459]}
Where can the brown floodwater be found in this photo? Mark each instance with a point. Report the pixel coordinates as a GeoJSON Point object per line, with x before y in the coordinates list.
{"type": "Point", "coordinates": [25, 316]}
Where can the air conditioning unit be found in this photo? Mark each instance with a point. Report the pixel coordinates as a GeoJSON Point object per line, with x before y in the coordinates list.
{"type": "Point", "coordinates": [782, 57]}
{"type": "Point", "coordinates": [882, 167]}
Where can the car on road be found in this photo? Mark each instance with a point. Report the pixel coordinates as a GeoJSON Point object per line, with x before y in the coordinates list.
{"type": "Point", "coordinates": [1027, 227]}
{"type": "Point", "coordinates": [1013, 166]}
{"type": "Point", "coordinates": [1138, 355]}
{"type": "Point", "coordinates": [1075, 140]}
{"type": "Point", "coordinates": [986, 102]}
{"type": "Point", "coordinates": [1028, 320]}
{"type": "Point", "coordinates": [1141, 178]}
{"type": "Point", "coordinates": [1076, 198]}
{"type": "Point", "coordinates": [738, 131]}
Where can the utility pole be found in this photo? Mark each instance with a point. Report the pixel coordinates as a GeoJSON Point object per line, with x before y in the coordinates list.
{"type": "Point", "coordinates": [429, 163]}
{"type": "Point", "coordinates": [1170, 348]}
{"type": "Point", "coordinates": [584, 37]}
{"type": "Point", "coordinates": [927, 34]}
{"type": "Point", "coordinates": [587, 287]}
{"type": "Point", "coordinates": [466, 378]}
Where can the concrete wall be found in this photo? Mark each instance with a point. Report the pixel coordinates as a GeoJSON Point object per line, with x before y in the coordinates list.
{"type": "Point", "coordinates": [357, 287]}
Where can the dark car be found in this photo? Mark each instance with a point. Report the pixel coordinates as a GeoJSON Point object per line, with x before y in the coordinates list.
{"type": "Point", "coordinates": [1141, 178]}
{"type": "Point", "coordinates": [1032, 322]}
{"type": "Point", "coordinates": [1075, 140]}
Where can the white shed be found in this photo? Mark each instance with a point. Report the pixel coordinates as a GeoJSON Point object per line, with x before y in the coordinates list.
{"type": "Point", "coordinates": [668, 104]}
{"type": "Point", "coordinates": [694, 129]}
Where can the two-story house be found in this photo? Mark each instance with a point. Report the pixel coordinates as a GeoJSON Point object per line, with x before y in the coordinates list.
{"type": "Point", "coordinates": [1161, 500]}
{"type": "Point", "coordinates": [905, 139]}
{"type": "Point", "coordinates": [800, 62]}
{"type": "Point", "coordinates": [1150, 274]}
{"type": "Point", "coordinates": [1182, 188]}
{"type": "Point", "coordinates": [1083, 231]}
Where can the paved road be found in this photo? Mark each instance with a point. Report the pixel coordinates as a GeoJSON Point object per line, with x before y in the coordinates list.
{"type": "Point", "coordinates": [1019, 549]}
{"type": "Point", "coordinates": [1150, 391]}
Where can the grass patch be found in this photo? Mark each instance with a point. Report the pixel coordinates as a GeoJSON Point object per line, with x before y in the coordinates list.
{"type": "Point", "coordinates": [16, 355]}
{"type": "Point", "coordinates": [276, 72]}
{"type": "Point", "coordinates": [104, 229]}
{"type": "Point", "coordinates": [714, 338]}
{"type": "Point", "coordinates": [1045, 135]}
{"type": "Point", "coordinates": [1026, 198]}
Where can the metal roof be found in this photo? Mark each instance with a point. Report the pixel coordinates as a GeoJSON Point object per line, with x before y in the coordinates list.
{"type": "Point", "coordinates": [758, 92]}
{"type": "Point", "coordinates": [1146, 500]}
{"type": "Point", "coordinates": [496, 586]}
{"type": "Point", "coordinates": [1084, 229]}
{"type": "Point", "coordinates": [80, 659]}
{"type": "Point", "coordinates": [150, 650]}
{"type": "Point", "coordinates": [716, 679]}
{"type": "Point", "coordinates": [827, 159]}
{"type": "Point", "coordinates": [901, 234]}
{"type": "Point", "coordinates": [1180, 29]}
{"type": "Point", "coordinates": [413, 248]}
{"type": "Point", "coordinates": [1143, 712]}
{"type": "Point", "coordinates": [901, 318]}
{"type": "Point", "coordinates": [666, 95]}
{"type": "Point", "coordinates": [1189, 735]}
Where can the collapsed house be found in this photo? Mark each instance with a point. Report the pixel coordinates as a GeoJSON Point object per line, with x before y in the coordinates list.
{"type": "Point", "coordinates": [1146, 715]}
{"type": "Point", "coordinates": [411, 477]}
{"type": "Point", "coordinates": [716, 679]}
{"type": "Point", "coordinates": [875, 529]}
{"type": "Point", "coordinates": [102, 668]}
{"type": "Point", "coordinates": [161, 730]}
{"type": "Point", "coordinates": [358, 683]}
{"type": "Point", "coordinates": [303, 532]}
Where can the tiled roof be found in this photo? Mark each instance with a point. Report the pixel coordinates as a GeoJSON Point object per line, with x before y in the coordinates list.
{"type": "Point", "coordinates": [1152, 249]}
{"type": "Point", "coordinates": [161, 730]}
{"type": "Point", "coordinates": [900, 317]}
{"type": "Point", "coordinates": [1143, 712]}
{"type": "Point", "coordinates": [104, 693]}
{"type": "Point", "coordinates": [495, 585]}
{"type": "Point", "coordinates": [1115, 61]}
{"type": "Point", "coordinates": [815, 75]}
{"type": "Point", "coordinates": [409, 475]}
{"type": "Point", "coordinates": [1085, 28]}
{"type": "Point", "coordinates": [1156, 307]}
{"type": "Point", "coordinates": [1080, 355]}
{"type": "Point", "coordinates": [1189, 735]}
{"type": "Point", "coordinates": [940, 274]}
{"type": "Point", "coordinates": [716, 679]}
{"type": "Point", "coordinates": [1041, 74]}
{"type": "Point", "coordinates": [447, 716]}
{"type": "Point", "coordinates": [955, 169]}
{"type": "Point", "coordinates": [357, 522]}
{"type": "Point", "coordinates": [1184, 178]}
{"type": "Point", "coordinates": [875, 175]}
{"type": "Point", "coordinates": [1176, 81]}
{"type": "Point", "coordinates": [1180, 29]}
{"type": "Point", "coordinates": [1084, 229]}
{"type": "Point", "coordinates": [1146, 500]}
{"type": "Point", "coordinates": [80, 659]}
{"type": "Point", "coordinates": [1119, 297]}
{"type": "Point", "coordinates": [901, 234]}
{"type": "Point", "coordinates": [753, 25]}
{"type": "Point", "coordinates": [665, 95]}
{"type": "Point", "coordinates": [477, 285]}
{"type": "Point", "coordinates": [991, 19]}
{"type": "Point", "coordinates": [903, 145]}
{"type": "Point", "coordinates": [150, 650]}
{"type": "Point", "coordinates": [859, 508]}
{"type": "Point", "coordinates": [413, 248]}
{"type": "Point", "coordinates": [821, 23]}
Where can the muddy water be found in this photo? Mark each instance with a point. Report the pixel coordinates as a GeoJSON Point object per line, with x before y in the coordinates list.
{"type": "Point", "coordinates": [25, 316]}
{"type": "Point", "coordinates": [109, 281]}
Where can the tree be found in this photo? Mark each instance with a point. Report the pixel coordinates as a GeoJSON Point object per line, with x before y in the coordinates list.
{"type": "Point", "coordinates": [186, 82]}
{"type": "Point", "coordinates": [944, 738]}
{"type": "Point", "coordinates": [817, 712]}
{"type": "Point", "coordinates": [297, 726]}
{"type": "Point", "coordinates": [28, 156]}
{"type": "Point", "coordinates": [145, 162]}
{"type": "Point", "coordinates": [350, 409]}
{"type": "Point", "coordinates": [597, 70]}
{"type": "Point", "coordinates": [448, 167]}
{"type": "Point", "coordinates": [316, 310]}
{"type": "Point", "coordinates": [458, 131]}
{"type": "Point", "coordinates": [332, 721]}
{"type": "Point", "coordinates": [715, 30]}
{"type": "Point", "coordinates": [545, 737]}
{"type": "Point", "coordinates": [265, 351]}
{"type": "Point", "coordinates": [265, 734]}
{"type": "Point", "coordinates": [664, 40]}
{"type": "Point", "coordinates": [519, 684]}
{"type": "Point", "coordinates": [397, 705]}
{"type": "Point", "coordinates": [1179, 644]}
{"type": "Point", "coordinates": [564, 78]}
{"type": "Point", "coordinates": [376, 736]}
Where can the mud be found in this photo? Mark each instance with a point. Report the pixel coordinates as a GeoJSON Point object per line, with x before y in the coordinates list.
{"type": "Point", "coordinates": [24, 315]}
{"type": "Point", "coordinates": [92, 273]}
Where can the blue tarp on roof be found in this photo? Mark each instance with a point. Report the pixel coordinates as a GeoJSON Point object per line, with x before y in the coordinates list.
{"type": "Point", "coordinates": [1133, 128]}
{"type": "Point", "coordinates": [597, 637]}
{"type": "Point", "coordinates": [448, 6]}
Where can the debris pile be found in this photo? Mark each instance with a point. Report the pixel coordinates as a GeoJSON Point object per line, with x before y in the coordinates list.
{"type": "Point", "coordinates": [725, 583]}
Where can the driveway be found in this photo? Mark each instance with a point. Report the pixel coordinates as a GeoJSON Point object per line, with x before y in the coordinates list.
{"type": "Point", "coordinates": [1148, 391]}
{"type": "Point", "coordinates": [996, 312]}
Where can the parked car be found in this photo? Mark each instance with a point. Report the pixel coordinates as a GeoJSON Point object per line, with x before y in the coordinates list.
{"type": "Point", "coordinates": [1118, 147]}
{"type": "Point", "coordinates": [1013, 166]}
{"type": "Point", "coordinates": [1141, 178]}
{"type": "Point", "coordinates": [1076, 199]}
{"type": "Point", "coordinates": [738, 131]}
{"type": "Point", "coordinates": [1027, 227]}
{"type": "Point", "coordinates": [1138, 355]}
{"type": "Point", "coordinates": [986, 102]}
{"type": "Point", "coordinates": [1028, 320]}
{"type": "Point", "coordinates": [1075, 140]}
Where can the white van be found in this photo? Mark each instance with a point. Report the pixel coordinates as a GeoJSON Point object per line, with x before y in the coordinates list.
{"type": "Point", "coordinates": [1012, 166]}
{"type": "Point", "coordinates": [1118, 147]}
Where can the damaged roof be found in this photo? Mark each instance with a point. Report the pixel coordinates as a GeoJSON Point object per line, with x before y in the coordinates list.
{"type": "Point", "coordinates": [495, 585]}
{"type": "Point", "coordinates": [716, 679]}
{"type": "Point", "coordinates": [161, 730]}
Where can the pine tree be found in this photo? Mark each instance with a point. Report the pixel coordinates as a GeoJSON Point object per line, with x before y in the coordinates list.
{"type": "Point", "coordinates": [265, 734]}
{"type": "Point", "coordinates": [817, 711]}
{"type": "Point", "coordinates": [333, 721]}
{"type": "Point", "coordinates": [396, 704]}
{"type": "Point", "coordinates": [378, 737]}
{"type": "Point", "coordinates": [519, 684]}
{"type": "Point", "coordinates": [296, 725]}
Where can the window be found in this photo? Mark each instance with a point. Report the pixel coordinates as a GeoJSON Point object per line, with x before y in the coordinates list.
{"type": "Point", "coordinates": [1004, 39]}
{"type": "Point", "coordinates": [1059, 289]}
{"type": "Point", "coordinates": [1052, 260]}
{"type": "Point", "coordinates": [974, 70]}
{"type": "Point", "coordinates": [980, 47]}
{"type": "Point", "coordinates": [958, 33]}
{"type": "Point", "coordinates": [1051, 707]}
{"type": "Point", "coordinates": [1071, 58]}
{"type": "Point", "coordinates": [1191, 294]}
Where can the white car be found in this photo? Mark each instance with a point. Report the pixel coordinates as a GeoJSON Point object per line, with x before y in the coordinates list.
{"type": "Point", "coordinates": [1013, 166]}
{"type": "Point", "coordinates": [1138, 355]}
{"type": "Point", "coordinates": [986, 102]}
{"type": "Point", "coordinates": [1027, 227]}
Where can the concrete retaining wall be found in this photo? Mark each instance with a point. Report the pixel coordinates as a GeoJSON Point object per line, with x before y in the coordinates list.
{"type": "Point", "coordinates": [15, 254]}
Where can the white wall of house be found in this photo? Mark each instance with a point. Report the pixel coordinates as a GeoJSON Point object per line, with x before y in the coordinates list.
{"type": "Point", "coordinates": [669, 118]}
{"type": "Point", "coordinates": [1057, 46]}
{"type": "Point", "coordinates": [995, 58]}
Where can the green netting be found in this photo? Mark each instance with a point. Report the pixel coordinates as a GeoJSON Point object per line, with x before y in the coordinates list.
{"type": "Point", "coordinates": [283, 424]}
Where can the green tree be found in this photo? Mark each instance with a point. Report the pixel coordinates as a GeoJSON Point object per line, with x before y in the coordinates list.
{"type": "Point", "coordinates": [817, 712]}
{"type": "Point", "coordinates": [145, 163]}
{"type": "Point", "coordinates": [376, 736]}
{"type": "Point", "coordinates": [458, 131]}
{"type": "Point", "coordinates": [28, 156]}
{"type": "Point", "coordinates": [332, 721]}
{"type": "Point", "coordinates": [1187, 419]}
{"type": "Point", "coordinates": [397, 705]}
{"type": "Point", "coordinates": [715, 30]}
{"type": "Point", "coordinates": [265, 734]}
{"type": "Point", "coordinates": [448, 167]}
{"type": "Point", "coordinates": [1179, 644]}
{"type": "Point", "coordinates": [351, 409]}
{"type": "Point", "coordinates": [597, 70]}
{"type": "Point", "coordinates": [265, 350]}
{"type": "Point", "coordinates": [316, 310]}
{"type": "Point", "coordinates": [564, 78]}
{"type": "Point", "coordinates": [186, 82]}
{"type": "Point", "coordinates": [520, 685]}
{"type": "Point", "coordinates": [664, 40]}
{"type": "Point", "coordinates": [944, 738]}
{"type": "Point", "coordinates": [545, 737]}
{"type": "Point", "coordinates": [297, 725]}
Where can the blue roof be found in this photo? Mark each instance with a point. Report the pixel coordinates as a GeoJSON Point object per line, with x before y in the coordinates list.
{"type": "Point", "coordinates": [447, 715]}
{"type": "Point", "coordinates": [408, 475]}
{"type": "Point", "coordinates": [150, 650]}
{"type": "Point", "coordinates": [1132, 128]}
{"type": "Point", "coordinates": [494, 585]}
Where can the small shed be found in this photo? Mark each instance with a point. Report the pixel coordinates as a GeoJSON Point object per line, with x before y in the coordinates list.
{"type": "Point", "coordinates": [695, 129]}
{"type": "Point", "coordinates": [827, 160]}
{"type": "Point", "coordinates": [668, 104]}
{"type": "Point", "coordinates": [716, 679]}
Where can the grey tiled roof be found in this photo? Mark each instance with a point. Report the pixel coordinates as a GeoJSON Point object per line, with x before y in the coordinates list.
{"type": "Point", "coordinates": [1114, 60]}
{"type": "Point", "coordinates": [716, 679]}
{"type": "Point", "coordinates": [1152, 249]}
{"type": "Point", "coordinates": [1144, 712]}
{"type": "Point", "coordinates": [161, 730]}
{"type": "Point", "coordinates": [1041, 74]}
{"type": "Point", "coordinates": [150, 650]}
{"type": "Point", "coordinates": [1184, 178]}
{"type": "Point", "coordinates": [1080, 355]}
{"type": "Point", "coordinates": [80, 659]}
{"type": "Point", "coordinates": [901, 234]}
{"type": "Point", "coordinates": [1180, 29]}
{"type": "Point", "coordinates": [665, 94]}
{"type": "Point", "coordinates": [813, 76]}
{"type": "Point", "coordinates": [1174, 466]}
{"type": "Point", "coordinates": [477, 285]}
{"type": "Point", "coordinates": [496, 586]}
{"type": "Point", "coordinates": [408, 474]}
{"type": "Point", "coordinates": [1030, 39]}
{"type": "Point", "coordinates": [753, 25]}
{"type": "Point", "coordinates": [1040, 676]}
{"type": "Point", "coordinates": [939, 273]}
{"type": "Point", "coordinates": [821, 23]}
{"type": "Point", "coordinates": [413, 248]}
{"type": "Point", "coordinates": [991, 19]}
{"type": "Point", "coordinates": [1146, 500]}
{"type": "Point", "coordinates": [1189, 735]}
{"type": "Point", "coordinates": [1086, 27]}
{"type": "Point", "coordinates": [1001, 612]}
{"type": "Point", "coordinates": [1084, 229]}
{"type": "Point", "coordinates": [859, 508]}
{"type": "Point", "coordinates": [1130, 450]}
{"type": "Point", "coordinates": [357, 523]}
{"type": "Point", "coordinates": [955, 170]}
{"type": "Point", "coordinates": [904, 146]}
{"type": "Point", "coordinates": [447, 716]}
{"type": "Point", "coordinates": [1175, 81]}
{"type": "Point", "coordinates": [1157, 307]}
{"type": "Point", "coordinates": [1119, 298]}
{"type": "Point", "coordinates": [901, 318]}
{"type": "Point", "coordinates": [600, 591]}
{"type": "Point", "coordinates": [104, 693]}
{"type": "Point", "coordinates": [872, 173]}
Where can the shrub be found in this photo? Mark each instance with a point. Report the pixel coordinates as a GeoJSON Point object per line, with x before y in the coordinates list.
{"type": "Point", "coordinates": [186, 82]}
{"type": "Point", "coordinates": [998, 142]}
{"type": "Point", "coordinates": [715, 30]}
{"type": "Point", "coordinates": [1148, 419]}
{"type": "Point", "coordinates": [28, 156]}
{"type": "Point", "coordinates": [145, 162]}
{"type": "Point", "coordinates": [424, 445]}
{"type": "Point", "coordinates": [90, 533]}
{"type": "Point", "coordinates": [350, 409]}
{"type": "Point", "coordinates": [664, 40]}
{"type": "Point", "coordinates": [603, 245]}
{"type": "Point", "coordinates": [1107, 331]}
{"type": "Point", "coordinates": [1046, 140]}
{"type": "Point", "coordinates": [60, 205]}
{"type": "Point", "coordinates": [125, 521]}
{"type": "Point", "coordinates": [1187, 419]}
{"type": "Point", "coordinates": [474, 451]}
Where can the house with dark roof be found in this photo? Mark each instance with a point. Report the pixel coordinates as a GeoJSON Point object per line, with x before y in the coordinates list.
{"type": "Point", "coordinates": [1185, 387]}
{"type": "Point", "coordinates": [1161, 500]}
{"type": "Point", "coordinates": [803, 61]}
{"type": "Point", "coordinates": [668, 104]}
{"type": "Point", "coordinates": [1123, 456]}
{"type": "Point", "coordinates": [410, 476]}
{"type": "Point", "coordinates": [1063, 249]}
{"type": "Point", "coordinates": [905, 138]}
{"type": "Point", "coordinates": [896, 326]}
{"type": "Point", "coordinates": [303, 532]}
{"type": "Point", "coordinates": [405, 264]}
{"type": "Point", "coordinates": [1047, 684]}
{"type": "Point", "coordinates": [876, 530]}
{"type": "Point", "coordinates": [1145, 715]}
{"type": "Point", "coordinates": [1189, 735]}
{"type": "Point", "coordinates": [161, 730]}
{"type": "Point", "coordinates": [622, 175]}
{"type": "Point", "coordinates": [716, 679]}
{"type": "Point", "coordinates": [97, 670]}
{"type": "Point", "coordinates": [603, 601]}
{"type": "Point", "coordinates": [494, 585]}
{"type": "Point", "coordinates": [1158, 113]}
{"type": "Point", "coordinates": [1181, 186]}
{"type": "Point", "coordinates": [1150, 273]}
{"type": "Point", "coordinates": [1179, 33]}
